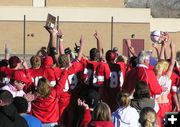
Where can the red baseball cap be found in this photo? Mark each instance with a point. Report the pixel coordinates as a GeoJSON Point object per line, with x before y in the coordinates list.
{"type": "Point", "coordinates": [20, 76]}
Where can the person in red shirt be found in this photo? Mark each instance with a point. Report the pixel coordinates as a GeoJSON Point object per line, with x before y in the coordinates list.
{"type": "Point", "coordinates": [46, 104]}
{"type": "Point", "coordinates": [90, 65]}
{"type": "Point", "coordinates": [72, 85]}
{"type": "Point", "coordinates": [101, 115]}
{"type": "Point", "coordinates": [47, 70]}
{"type": "Point", "coordinates": [142, 72]}
{"type": "Point", "coordinates": [14, 64]}
{"type": "Point", "coordinates": [110, 79]}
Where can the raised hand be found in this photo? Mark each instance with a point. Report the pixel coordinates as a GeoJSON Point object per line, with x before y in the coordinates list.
{"type": "Point", "coordinates": [60, 34]}
{"type": "Point", "coordinates": [29, 97]}
{"type": "Point", "coordinates": [96, 35]}
{"type": "Point", "coordinates": [81, 41]}
{"type": "Point", "coordinates": [172, 45]}
{"type": "Point", "coordinates": [154, 45]}
{"type": "Point", "coordinates": [51, 31]}
{"type": "Point", "coordinates": [82, 104]}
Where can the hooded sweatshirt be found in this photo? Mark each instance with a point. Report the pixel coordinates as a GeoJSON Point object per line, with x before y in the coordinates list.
{"type": "Point", "coordinates": [10, 118]}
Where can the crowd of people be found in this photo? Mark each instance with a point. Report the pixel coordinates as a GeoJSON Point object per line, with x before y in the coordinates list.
{"type": "Point", "coordinates": [66, 89]}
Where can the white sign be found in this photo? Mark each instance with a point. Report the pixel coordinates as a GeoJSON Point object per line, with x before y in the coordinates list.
{"type": "Point", "coordinates": [38, 3]}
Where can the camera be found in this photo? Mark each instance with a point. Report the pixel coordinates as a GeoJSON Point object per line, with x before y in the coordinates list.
{"type": "Point", "coordinates": [67, 51]}
{"type": "Point", "coordinates": [76, 48]}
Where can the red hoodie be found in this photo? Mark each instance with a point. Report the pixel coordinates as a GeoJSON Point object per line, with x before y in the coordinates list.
{"type": "Point", "coordinates": [47, 109]}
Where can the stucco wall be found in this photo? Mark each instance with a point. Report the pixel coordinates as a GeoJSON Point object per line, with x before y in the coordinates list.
{"type": "Point", "coordinates": [72, 31]}
{"type": "Point", "coordinates": [15, 2]}
{"type": "Point", "coordinates": [86, 3]}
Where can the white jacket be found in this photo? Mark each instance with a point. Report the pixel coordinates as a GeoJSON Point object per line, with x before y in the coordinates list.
{"type": "Point", "coordinates": [125, 117]}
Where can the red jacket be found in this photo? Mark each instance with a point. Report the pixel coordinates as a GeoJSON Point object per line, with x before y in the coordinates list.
{"type": "Point", "coordinates": [144, 74]}
{"type": "Point", "coordinates": [47, 109]}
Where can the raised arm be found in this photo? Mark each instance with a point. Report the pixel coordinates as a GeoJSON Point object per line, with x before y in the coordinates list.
{"type": "Point", "coordinates": [81, 41]}
{"type": "Point", "coordinates": [164, 40]}
{"type": "Point", "coordinates": [161, 55]}
{"type": "Point", "coordinates": [7, 52]}
{"type": "Point", "coordinates": [172, 62]}
{"type": "Point", "coordinates": [99, 44]}
{"type": "Point", "coordinates": [154, 45]}
{"type": "Point", "coordinates": [130, 47]}
{"type": "Point", "coordinates": [61, 82]}
{"type": "Point", "coordinates": [52, 37]}
{"type": "Point", "coordinates": [52, 50]}
{"type": "Point", "coordinates": [61, 48]}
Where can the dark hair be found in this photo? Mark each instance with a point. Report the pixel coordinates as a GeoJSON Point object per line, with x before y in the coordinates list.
{"type": "Point", "coordinates": [76, 48]}
{"type": "Point", "coordinates": [21, 104]}
{"type": "Point", "coordinates": [92, 98]}
{"type": "Point", "coordinates": [4, 62]}
{"type": "Point", "coordinates": [53, 51]}
{"type": "Point", "coordinates": [67, 50]}
{"type": "Point", "coordinates": [6, 96]}
{"type": "Point", "coordinates": [94, 54]}
{"type": "Point", "coordinates": [13, 61]}
{"type": "Point", "coordinates": [110, 56]}
{"type": "Point", "coordinates": [141, 90]}
{"type": "Point", "coordinates": [133, 61]}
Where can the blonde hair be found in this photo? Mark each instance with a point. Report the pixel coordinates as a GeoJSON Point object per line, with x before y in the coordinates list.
{"type": "Point", "coordinates": [101, 112]}
{"type": "Point", "coordinates": [43, 87]}
{"type": "Point", "coordinates": [161, 66]}
{"type": "Point", "coordinates": [123, 99]}
{"type": "Point", "coordinates": [35, 61]}
{"type": "Point", "coordinates": [121, 58]}
{"type": "Point", "coordinates": [148, 117]}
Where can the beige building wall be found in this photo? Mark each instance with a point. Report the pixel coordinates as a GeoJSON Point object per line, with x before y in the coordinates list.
{"type": "Point", "coordinates": [74, 22]}
{"type": "Point", "coordinates": [37, 36]}
{"type": "Point", "coordinates": [15, 2]}
{"type": "Point", "coordinates": [86, 3]}
{"type": "Point", "coordinates": [66, 3]}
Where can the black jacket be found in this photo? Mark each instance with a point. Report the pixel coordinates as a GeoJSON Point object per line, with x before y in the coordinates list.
{"type": "Point", "coordinates": [10, 118]}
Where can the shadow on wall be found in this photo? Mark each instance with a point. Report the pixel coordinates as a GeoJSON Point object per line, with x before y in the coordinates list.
{"type": "Point", "coordinates": [178, 56]}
